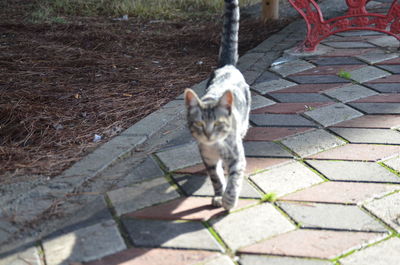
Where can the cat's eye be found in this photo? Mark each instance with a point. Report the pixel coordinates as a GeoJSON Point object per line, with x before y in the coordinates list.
{"type": "Point", "coordinates": [218, 123]}
{"type": "Point", "coordinates": [198, 123]}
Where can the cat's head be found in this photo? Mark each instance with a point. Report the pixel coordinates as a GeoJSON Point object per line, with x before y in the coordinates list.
{"type": "Point", "coordinates": [209, 122]}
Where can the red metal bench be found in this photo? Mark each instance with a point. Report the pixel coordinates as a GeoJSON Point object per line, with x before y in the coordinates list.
{"type": "Point", "coordinates": [356, 18]}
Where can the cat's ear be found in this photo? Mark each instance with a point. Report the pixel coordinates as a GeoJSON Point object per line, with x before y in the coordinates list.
{"type": "Point", "coordinates": [226, 101]}
{"type": "Point", "coordinates": [191, 99]}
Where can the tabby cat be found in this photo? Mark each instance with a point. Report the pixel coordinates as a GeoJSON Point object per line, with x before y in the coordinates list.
{"type": "Point", "coordinates": [220, 119]}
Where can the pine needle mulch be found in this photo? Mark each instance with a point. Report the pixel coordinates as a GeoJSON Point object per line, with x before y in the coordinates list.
{"type": "Point", "coordinates": [60, 84]}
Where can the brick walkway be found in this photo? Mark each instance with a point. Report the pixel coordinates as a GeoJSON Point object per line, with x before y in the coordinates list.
{"type": "Point", "coordinates": [324, 141]}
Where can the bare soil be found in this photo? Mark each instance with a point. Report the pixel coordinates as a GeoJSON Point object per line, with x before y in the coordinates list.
{"type": "Point", "coordinates": [60, 84]}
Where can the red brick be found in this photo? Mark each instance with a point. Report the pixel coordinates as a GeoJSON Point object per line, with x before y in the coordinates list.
{"type": "Point", "coordinates": [329, 69]}
{"type": "Point", "coordinates": [155, 256]}
{"type": "Point", "coordinates": [381, 98]}
{"type": "Point", "coordinates": [313, 243]}
{"type": "Point", "coordinates": [191, 208]}
{"type": "Point", "coordinates": [290, 108]}
{"type": "Point", "coordinates": [255, 164]}
{"type": "Point", "coordinates": [348, 52]}
{"type": "Point", "coordinates": [387, 79]}
{"type": "Point", "coordinates": [355, 38]}
{"type": "Point", "coordinates": [372, 121]}
{"type": "Point", "coordinates": [360, 152]}
{"type": "Point", "coordinates": [310, 88]}
{"type": "Point", "coordinates": [272, 133]}
{"type": "Point", "coordinates": [196, 169]}
{"type": "Point", "coordinates": [391, 61]}
{"type": "Point", "coordinates": [341, 192]}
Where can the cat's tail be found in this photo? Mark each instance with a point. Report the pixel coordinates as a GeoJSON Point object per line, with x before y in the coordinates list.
{"type": "Point", "coordinates": [228, 52]}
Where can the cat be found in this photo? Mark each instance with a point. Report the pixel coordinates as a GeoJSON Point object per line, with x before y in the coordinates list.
{"type": "Point", "coordinates": [220, 119]}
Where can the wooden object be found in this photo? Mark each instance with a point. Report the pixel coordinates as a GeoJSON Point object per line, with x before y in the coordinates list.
{"type": "Point", "coordinates": [270, 9]}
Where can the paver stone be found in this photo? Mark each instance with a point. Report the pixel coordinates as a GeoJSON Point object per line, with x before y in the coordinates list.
{"type": "Point", "coordinates": [367, 73]}
{"type": "Point", "coordinates": [354, 171]}
{"type": "Point", "coordinates": [83, 245]}
{"type": "Point", "coordinates": [263, 260]}
{"type": "Point", "coordinates": [331, 216]}
{"type": "Point", "coordinates": [376, 56]}
{"type": "Point", "coordinates": [300, 97]}
{"type": "Point", "coordinates": [191, 208]}
{"type": "Point", "coordinates": [359, 152]}
{"type": "Point", "coordinates": [150, 256]}
{"type": "Point", "coordinates": [341, 192]}
{"type": "Point", "coordinates": [27, 256]}
{"type": "Point", "coordinates": [350, 93]}
{"type": "Point", "coordinates": [369, 136]}
{"type": "Point", "coordinates": [200, 185]}
{"type": "Point", "coordinates": [181, 156]}
{"type": "Point", "coordinates": [286, 120]}
{"type": "Point", "coordinates": [384, 253]}
{"type": "Point", "coordinates": [141, 195]}
{"type": "Point", "coordinates": [286, 179]}
{"type": "Point", "coordinates": [372, 121]}
{"type": "Point", "coordinates": [393, 163]}
{"type": "Point", "coordinates": [272, 133]}
{"type": "Point", "coordinates": [269, 86]}
{"type": "Point", "coordinates": [387, 209]}
{"type": "Point", "coordinates": [380, 98]}
{"type": "Point", "coordinates": [385, 87]}
{"type": "Point", "coordinates": [312, 142]}
{"type": "Point", "coordinates": [292, 67]}
{"type": "Point", "coordinates": [169, 234]}
{"type": "Point", "coordinates": [258, 101]}
{"type": "Point", "coordinates": [317, 79]}
{"type": "Point", "coordinates": [321, 244]}
{"type": "Point", "coordinates": [251, 225]}
{"type": "Point", "coordinates": [378, 108]}
{"type": "Point", "coordinates": [348, 44]}
{"type": "Point", "coordinates": [333, 114]}
{"type": "Point", "coordinates": [309, 88]}
{"type": "Point", "coordinates": [291, 108]}
{"type": "Point", "coordinates": [265, 149]}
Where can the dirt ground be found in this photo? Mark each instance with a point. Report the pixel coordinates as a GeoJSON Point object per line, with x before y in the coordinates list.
{"type": "Point", "coordinates": [62, 84]}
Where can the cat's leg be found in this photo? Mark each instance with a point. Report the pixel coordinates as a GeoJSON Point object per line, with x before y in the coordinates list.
{"type": "Point", "coordinates": [213, 165]}
{"type": "Point", "coordinates": [216, 174]}
{"type": "Point", "coordinates": [236, 167]}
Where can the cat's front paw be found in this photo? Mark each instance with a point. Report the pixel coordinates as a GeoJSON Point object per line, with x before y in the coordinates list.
{"type": "Point", "coordinates": [217, 201]}
{"type": "Point", "coordinates": [229, 202]}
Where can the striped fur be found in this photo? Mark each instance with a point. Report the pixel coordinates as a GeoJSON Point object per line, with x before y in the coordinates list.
{"type": "Point", "coordinates": [228, 53]}
{"type": "Point", "coordinates": [220, 119]}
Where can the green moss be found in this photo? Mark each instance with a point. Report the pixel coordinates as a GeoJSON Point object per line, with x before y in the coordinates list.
{"type": "Point", "coordinates": [344, 74]}
{"type": "Point", "coordinates": [269, 197]}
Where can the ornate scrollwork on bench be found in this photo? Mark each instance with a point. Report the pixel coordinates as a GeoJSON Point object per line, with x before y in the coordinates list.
{"type": "Point", "coordinates": [357, 17]}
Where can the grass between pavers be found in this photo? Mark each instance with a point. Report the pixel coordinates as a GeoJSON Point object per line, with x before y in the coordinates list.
{"type": "Point", "coordinates": [217, 237]}
{"type": "Point", "coordinates": [54, 10]}
{"type": "Point", "coordinates": [40, 251]}
{"type": "Point", "coordinates": [168, 176]}
{"type": "Point", "coordinates": [337, 259]}
{"type": "Point", "coordinates": [313, 169]}
{"type": "Point", "coordinates": [388, 227]}
{"type": "Point", "coordinates": [394, 171]}
{"type": "Point", "coordinates": [344, 74]}
{"type": "Point", "coordinates": [269, 197]}
{"type": "Point", "coordinates": [338, 136]}
{"type": "Point", "coordinates": [279, 142]}
{"type": "Point", "coordinates": [286, 215]}
{"type": "Point", "coordinates": [124, 233]}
